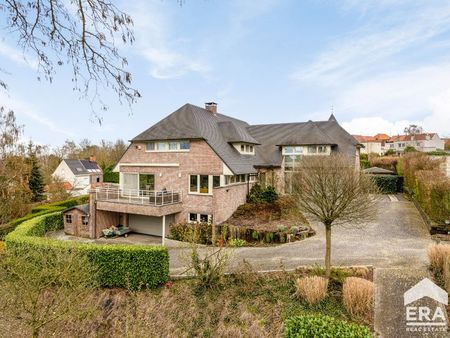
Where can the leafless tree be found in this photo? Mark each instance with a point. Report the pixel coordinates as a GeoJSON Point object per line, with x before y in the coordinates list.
{"type": "Point", "coordinates": [413, 129]}
{"type": "Point", "coordinates": [82, 33]}
{"type": "Point", "coordinates": [330, 190]}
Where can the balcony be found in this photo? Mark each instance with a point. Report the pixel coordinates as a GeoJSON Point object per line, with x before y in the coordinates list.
{"type": "Point", "coordinates": [134, 201]}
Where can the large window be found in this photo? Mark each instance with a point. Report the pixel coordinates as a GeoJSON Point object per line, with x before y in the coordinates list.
{"type": "Point", "coordinates": [146, 182]}
{"type": "Point", "coordinates": [200, 184]}
{"type": "Point", "coordinates": [162, 146]}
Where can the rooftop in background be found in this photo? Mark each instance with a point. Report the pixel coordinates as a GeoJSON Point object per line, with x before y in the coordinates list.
{"type": "Point", "coordinates": [378, 171]}
{"type": "Point", "coordinates": [83, 167]}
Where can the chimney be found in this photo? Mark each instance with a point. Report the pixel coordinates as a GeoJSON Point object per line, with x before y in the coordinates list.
{"type": "Point", "coordinates": [92, 158]}
{"type": "Point", "coordinates": [211, 107]}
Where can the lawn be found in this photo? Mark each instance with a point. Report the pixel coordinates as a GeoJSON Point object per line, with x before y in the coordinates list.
{"type": "Point", "coordinates": [247, 304]}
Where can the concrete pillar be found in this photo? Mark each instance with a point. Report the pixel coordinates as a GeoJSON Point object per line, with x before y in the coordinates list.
{"type": "Point", "coordinates": [92, 215]}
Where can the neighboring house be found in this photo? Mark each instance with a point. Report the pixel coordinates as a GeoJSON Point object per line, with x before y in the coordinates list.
{"type": "Point", "coordinates": [373, 144]}
{"type": "Point", "coordinates": [197, 165]}
{"type": "Point", "coordinates": [78, 176]}
{"type": "Point", "coordinates": [422, 142]}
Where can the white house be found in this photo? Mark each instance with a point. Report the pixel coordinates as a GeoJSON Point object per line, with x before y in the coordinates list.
{"type": "Point", "coordinates": [422, 142]}
{"type": "Point", "coordinates": [78, 176]}
{"type": "Point", "coordinates": [373, 144]}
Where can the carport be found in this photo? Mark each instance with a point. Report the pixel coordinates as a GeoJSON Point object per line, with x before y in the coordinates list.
{"type": "Point", "coordinates": [150, 225]}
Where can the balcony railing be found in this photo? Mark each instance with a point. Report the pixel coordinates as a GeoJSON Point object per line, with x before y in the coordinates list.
{"type": "Point", "coordinates": [136, 196]}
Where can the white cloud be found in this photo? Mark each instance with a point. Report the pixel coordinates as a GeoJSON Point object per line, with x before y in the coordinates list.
{"type": "Point", "coordinates": [16, 56]}
{"type": "Point", "coordinates": [24, 111]}
{"type": "Point", "coordinates": [168, 57]}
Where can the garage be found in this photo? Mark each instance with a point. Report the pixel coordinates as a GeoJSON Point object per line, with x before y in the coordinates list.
{"type": "Point", "coordinates": [149, 225]}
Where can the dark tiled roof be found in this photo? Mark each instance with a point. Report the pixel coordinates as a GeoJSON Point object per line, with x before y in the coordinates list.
{"type": "Point", "coordinates": [84, 208]}
{"type": "Point", "coordinates": [192, 122]}
{"type": "Point", "coordinates": [82, 167]}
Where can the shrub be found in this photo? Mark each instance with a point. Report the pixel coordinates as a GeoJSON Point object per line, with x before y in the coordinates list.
{"type": "Point", "coordinates": [109, 175]}
{"type": "Point", "coordinates": [192, 232]}
{"type": "Point", "coordinates": [209, 268]}
{"type": "Point", "coordinates": [388, 184]}
{"type": "Point", "coordinates": [312, 326]}
{"type": "Point", "coordinates": [129, 266]}
{"type": "Point", "coordinates": [258, 194]}
{"type": "Point", "coordinates": [409, 149]}
{"type": "Point", "coordinates": [357, 296]}
{"type": "Point", "coordinates": [438, 254]}
{"type": "Point", "coordinates": [386, 162]}
{"type": "Point", "coordinates": [236, 242]}
{"type": "Point", "coordinates": [313, 289]}
{"type": "Point", "coordinates": [389, 152]}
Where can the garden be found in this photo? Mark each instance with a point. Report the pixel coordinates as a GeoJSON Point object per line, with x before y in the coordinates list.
{"type": "Point", "coordinates": [265, 219]}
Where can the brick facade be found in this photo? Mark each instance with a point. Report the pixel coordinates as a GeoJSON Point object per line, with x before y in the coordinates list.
{"type": "Point", "coordinates": [227, 199]}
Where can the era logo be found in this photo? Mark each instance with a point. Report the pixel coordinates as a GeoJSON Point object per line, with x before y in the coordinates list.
{"type": "Point", "coordinates": [424, 318]}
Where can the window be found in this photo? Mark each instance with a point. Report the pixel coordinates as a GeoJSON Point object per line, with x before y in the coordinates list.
{"type": "Point", "coordinates": [183, 145]}
{"type": "Point", "coordinates": [204, 184]}
{"type": "Point", "coordinates": [199, 184]}
{"type": "Point", "coordinates": [242, 148]}
{"type": "Point", "coordinates": [322, 149]}
{"type": "Point", "coordinates": [202, 218]}
{"type": "Point", "coordinates": [69, 219]}
{"type": "Point", "coordinates": [292, 150]}
{"type": "Point", "coordinates": [98, 179]}
{"type": "Point", "coordinates": [194, 183]}
{"type": "Point", "coordinates": [245, 148]}
{"type": "Point", "coordinates": [216, 181]}
{"type": "Point", "coordinates": [192, 217]}
{"type": "Point", "coordinates": [84, 220]}
{"type": "Point", "coordinates": [312, 149]}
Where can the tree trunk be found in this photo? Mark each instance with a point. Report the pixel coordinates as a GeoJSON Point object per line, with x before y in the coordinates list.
{"type": "Point", "coordinates": [328, 250]}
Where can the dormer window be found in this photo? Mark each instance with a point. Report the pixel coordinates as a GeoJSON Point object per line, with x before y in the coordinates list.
{"type": "Point", "coordinates": [245, 148]}
{"type": "Point", "coordinates": [167, 146]}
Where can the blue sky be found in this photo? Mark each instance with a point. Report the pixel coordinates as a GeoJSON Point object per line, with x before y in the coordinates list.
{"type": "Point", "coordinates": [380, 64]}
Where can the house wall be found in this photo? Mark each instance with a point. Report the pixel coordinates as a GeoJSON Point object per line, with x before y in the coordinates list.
{"type": "Point", "coordinates": [372, 147]}
{"type": "Point", "coordinates": [76, 228]}
{"type": "Point", "coordinates": [227, 199]}
{"type": "Point", "coordinates": [199, 160]}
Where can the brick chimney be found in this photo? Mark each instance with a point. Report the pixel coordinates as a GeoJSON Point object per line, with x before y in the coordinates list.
{"type": "Point", "coordinates": [93, 158]}
{"type": "Point", "coordinates": [211, 107]}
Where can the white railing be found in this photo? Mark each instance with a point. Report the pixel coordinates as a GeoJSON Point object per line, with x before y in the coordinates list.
{"type": "Point", "coordinates": [137, 196]}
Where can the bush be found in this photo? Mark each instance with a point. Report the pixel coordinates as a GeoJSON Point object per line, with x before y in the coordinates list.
{"type": "Point", "coordinates": [236, 242]}
{"type": "Point", "coordinates": [258, 194]}
{"type": "Point", "coordinates": [437, 256]}
{"type": "Point", "coordinates": [128, 266]}
{"type": "Point", "coordinates": [385, 162]}
{"type": "Point", "coordinates": [357, 296]}
{"type": "Point", "coordinates": [43, 210]}
{"type": "Point", "coordinates": [389, 152]}
{"type": "Point", "coordinates": [312, 289]}
{"type": "Point", "coordinates": [312, 326]}
{"type": "Point", "coordinates": [109, 175]}
{"type": "Point", "coordinates": [192, 232]}
{"type": "Point", "coordinates": [409, 149]}
{"type": "Point", "coordinates": [388, 184]}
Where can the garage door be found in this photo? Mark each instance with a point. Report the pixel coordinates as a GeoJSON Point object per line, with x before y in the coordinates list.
{"type": "Point", "coordinates": [149, 225]}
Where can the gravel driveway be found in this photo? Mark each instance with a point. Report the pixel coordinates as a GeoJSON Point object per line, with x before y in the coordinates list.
{"type": "Point", "coordinates": [397, 238]}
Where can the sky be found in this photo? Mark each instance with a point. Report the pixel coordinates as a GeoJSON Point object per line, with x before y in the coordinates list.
{"type": "Point", "coordinates": [378, 65]}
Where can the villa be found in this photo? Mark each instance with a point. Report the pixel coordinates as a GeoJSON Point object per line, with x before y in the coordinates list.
{"type": "Point", "coordinates": [197, 165]}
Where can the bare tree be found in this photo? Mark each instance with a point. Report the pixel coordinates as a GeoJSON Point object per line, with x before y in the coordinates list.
{"type": "Point", "coordinates": [413, 129]}
{"type": "Point", "coordinates": [81, 33]}
{"type": "Point", "coordinates": [330, 190]}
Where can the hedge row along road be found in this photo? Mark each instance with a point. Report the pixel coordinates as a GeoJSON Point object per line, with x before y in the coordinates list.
{"type": "Point", "coordinates": [119, 265]}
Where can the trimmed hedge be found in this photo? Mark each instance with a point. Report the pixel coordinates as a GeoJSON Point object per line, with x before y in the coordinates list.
{"type": "Point", "coordinates": [119, 265]}
{"type": "Point", "coordinates": [388, 184]}
{"type": "Point", "coordinates": [43, 210]}
{"type": "Point", "coordinates": [311, 326]}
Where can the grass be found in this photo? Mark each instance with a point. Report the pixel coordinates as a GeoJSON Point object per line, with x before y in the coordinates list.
{"type": "Point", "coordinates": [247, 304]}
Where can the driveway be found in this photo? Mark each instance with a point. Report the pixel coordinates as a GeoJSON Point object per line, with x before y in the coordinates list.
{"type": "Point", "coordinates": [398, 238]}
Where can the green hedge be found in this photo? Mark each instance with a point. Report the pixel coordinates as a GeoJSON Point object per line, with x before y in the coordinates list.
{"type": "Point", "coordinates": [43, 210]}
{"type": "Point", "coordinates": [388, 184]}
{"type": "Point", "coordinates": [311, 326]}
{"type": "Point", "coordinates": [119, 265]}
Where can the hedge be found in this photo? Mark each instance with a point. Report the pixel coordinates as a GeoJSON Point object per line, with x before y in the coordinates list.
{"type": "Point", "coordinates": [43, 210]}
{"type": "Point", "coordinates": [316, 325]}
{"type": "Point", "coordinates": [388, 184]}
{"type": "Point", "coordinates": [119, 265]}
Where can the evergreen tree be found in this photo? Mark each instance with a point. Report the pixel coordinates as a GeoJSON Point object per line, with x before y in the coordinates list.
{"type": "Point", "coordinates": [36, 182]}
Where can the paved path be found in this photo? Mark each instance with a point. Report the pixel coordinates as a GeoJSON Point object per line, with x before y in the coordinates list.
{"type": "Point", "coordinates": [397, 238]}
